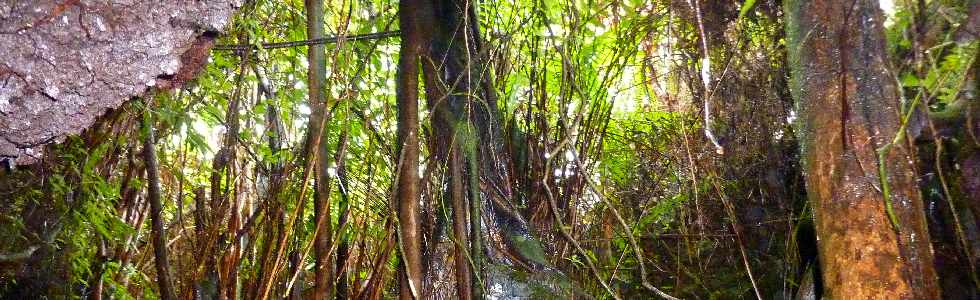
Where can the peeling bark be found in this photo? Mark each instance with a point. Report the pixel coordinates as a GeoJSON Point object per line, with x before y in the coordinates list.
{"type": "Point", "coordinates": [65, 63]}
{"type": "Point", "coordinates": [849, 108]}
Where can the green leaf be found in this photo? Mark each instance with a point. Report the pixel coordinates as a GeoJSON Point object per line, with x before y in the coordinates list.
{"type": "Point", "coordinates": [197, 141]}
{"type": "Point", "coordinates": [910, 80]}
{"type": "Point", "coordinates": [746, 7]}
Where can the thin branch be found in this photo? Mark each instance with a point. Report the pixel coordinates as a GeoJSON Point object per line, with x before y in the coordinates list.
{"type": "Point", "coordinates": [628, 231]}
{"type": "Point", "coordinates": [29, 251]}
{"type": "Point", "coordinates": [317, 41]}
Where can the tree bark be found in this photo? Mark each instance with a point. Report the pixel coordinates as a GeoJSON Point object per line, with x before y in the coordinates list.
{"type": "Point", "coordinates": [316, 76]}
{"type": "Point", "coordinates": [156, 209]}
{"type": "Point", "coordinates": [411, 15]}
{"type": "Point", "coordinates": [460, 233]}
{"type": "Point", "coordinates": [472, 102]}
{"type": "Point", "coordinates": [53, 92]}
{"type": "Point", "coordinates": [969, 30]}
{"type": "Point", "coordinates": [868, 212]}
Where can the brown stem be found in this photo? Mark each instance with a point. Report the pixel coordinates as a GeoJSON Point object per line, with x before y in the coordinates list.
{"type": "Point", "coordinates": [156, 209]}
{"type": "Point", "coordinates": [413, 13]}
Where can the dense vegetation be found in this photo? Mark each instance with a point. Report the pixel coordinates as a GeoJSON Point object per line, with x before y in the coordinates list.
{"type": "Point", "coordinates": [611, 149]}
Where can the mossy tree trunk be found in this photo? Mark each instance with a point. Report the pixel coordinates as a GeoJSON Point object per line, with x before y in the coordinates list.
{"type": "Point", "coordinates": [869, 217]}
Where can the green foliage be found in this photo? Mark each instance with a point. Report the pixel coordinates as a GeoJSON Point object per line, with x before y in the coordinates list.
{"type": "Point", "coordinates": [746, 8]}
{"type": "Point", "coordinates": [605, 94]}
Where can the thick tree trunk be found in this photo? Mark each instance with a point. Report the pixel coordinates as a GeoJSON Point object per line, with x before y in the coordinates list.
{"type": "Point", "coordinates": [68, 79]}
{"type": "Point", "coordinates": [475, 119]}
{"type": "Point", "coordinates": [870, 223]}
{"type": "Point", "coordinates": [156, 209]}
{"type": "Point", "coordinates": [412, 15]}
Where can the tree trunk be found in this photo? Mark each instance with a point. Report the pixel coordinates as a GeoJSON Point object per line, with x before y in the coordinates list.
{"type": "Point", "coordinates": [412, 13]}
{"type": "Point", "coordinates": [156, 209]}
{"type": "Point", "coordinates": [870, 222]}
{"type": "Point", "coordinates": [316, 76]}
{"type": "Point", "coordinates": [476, 125]}
{"type": "Point", "coordinates": [460, 233]}
{"type": "Point", "coordinates": [74, 91]}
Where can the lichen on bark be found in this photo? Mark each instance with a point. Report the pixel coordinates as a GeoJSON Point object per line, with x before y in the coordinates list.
{"type": "Point", "coordinates": [64, 63]}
